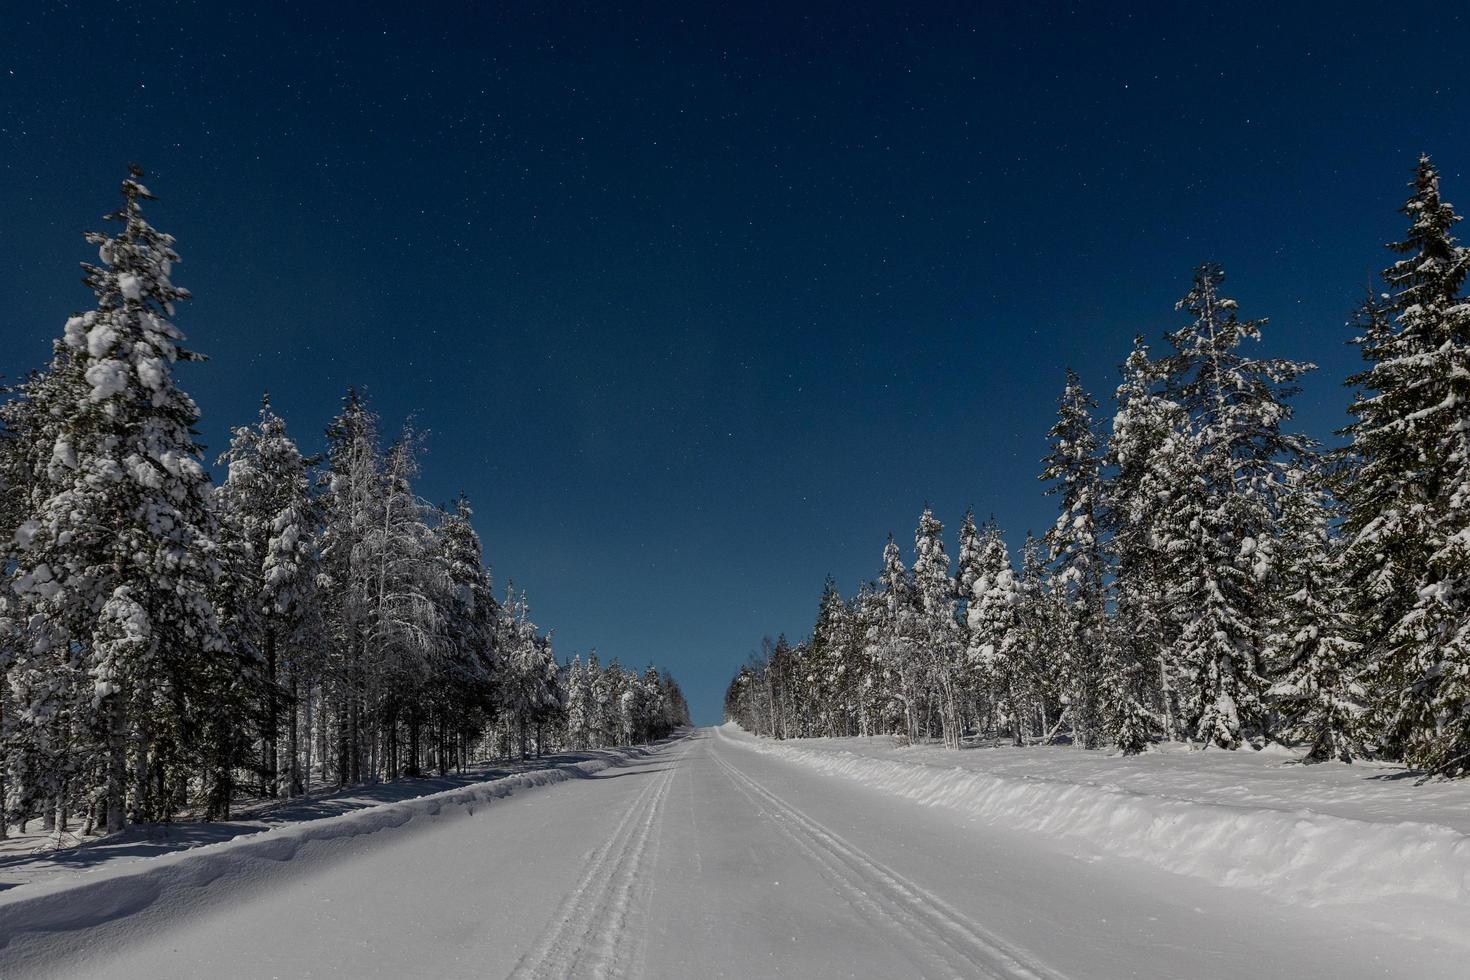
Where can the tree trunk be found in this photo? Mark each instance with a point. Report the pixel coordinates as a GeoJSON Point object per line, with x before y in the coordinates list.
{"type": "Point", "coordinates": [4, 813]}
{"type": "Point", "coordinates": [117, 765]}
{"type": "Point", "coordinates": [293, 741]}
{"type": "Point", "coordinates": [272, 719]}
{"type": "Point", "coordinates": [142, 777]}
{"type": "Point", "coordinates": [310, 738]}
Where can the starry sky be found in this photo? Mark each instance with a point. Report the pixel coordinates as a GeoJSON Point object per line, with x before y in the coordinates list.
{"type": "Point", "coordinates": [698, 302]}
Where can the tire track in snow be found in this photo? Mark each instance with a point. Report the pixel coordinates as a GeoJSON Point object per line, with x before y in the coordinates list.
{"type": "Point", "coordinates": [587, 933]}
{"type": "Point", "coordinates": [950, 940]}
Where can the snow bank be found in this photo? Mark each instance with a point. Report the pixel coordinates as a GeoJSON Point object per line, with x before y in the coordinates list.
{"type": "Point", "coordinates": [1296, 856]}
{"type": "Point", "coordinates": [38, 923]}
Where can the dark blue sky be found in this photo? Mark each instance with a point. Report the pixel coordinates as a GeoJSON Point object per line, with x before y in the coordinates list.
{"type": "Point", "coordinates": [699, 302]}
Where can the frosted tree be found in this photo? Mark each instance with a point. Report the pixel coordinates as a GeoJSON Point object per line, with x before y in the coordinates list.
{"type": "Point", "coordinates": [865, 615]}
{"type": "Point", "coordinates": [1150, 457]}
{"type": "Point", "coordinates": [351, 486]}
{"type": "Point", "coordinates": [1041, 628]}
{"type": "Point", "coordinates": [267, 515]}
{"type": "Point", "coordinates": [459, 687]}
{"type": "Point", "coordinates": [579, 696]}
{"type": "Point", "coordinates": [995, 652]}
{"type": "Point", "coordinates": [830, 663]}
{"type": "Point", "coordinates": [116, 557]}
{"type": "Point", "coordinates": [38, 681]}
{"type": "Point", "coordinates": [1072, 468]}
{"type": "Point", "coordinates": [1315, 660]}
{"type": "Point", "coordinates": [1217, 528]}
{"type": "Point", "coordinates": [403, 612]}
{"type": "Point", "coordinates": [896, 640]}
{"type": "Point", "coordinates": [936, 631]}
{"type": "Point", "coordinates": [967, 562]}
{"type": "Point", "coordinates": [530, 689]}
{"type": "Point", "coordinates": [1408, 498]}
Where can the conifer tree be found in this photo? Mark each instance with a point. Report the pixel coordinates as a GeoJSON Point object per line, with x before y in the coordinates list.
{"type": "Point", "coordinates": [897, 636]}
{"type": "Point", "coordinates": [829, 662]}
{"type": "Point", "coordinates": [1218, 525]}
{"type": "Point", "coordinates": [1072, 467]}
{"type": "Point", "coordinates": [1408, 498]}
{"type": "Point", "coordinates": [1314, 658]}
{"type": "Point", "coordinates": [463, 660]}
{"type": "Point", "coordinates": [936, 631]}
{"type": "Point", "coordinates": [350, 487]}
{"type": "Point", "coordinates": [116, 559]}
{"type": "Point", "coordinates": [266, 515]}
{"type": "Point", "coordinates": [995, 652]}
{"type": "Point", "coordinates": [1149, 455]}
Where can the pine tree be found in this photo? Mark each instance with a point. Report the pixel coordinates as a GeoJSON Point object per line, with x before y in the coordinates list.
{"type": "Point", "coordinates": [995, 651]}
{"type": "Point", "coordinates": [897, 636]}
{"type": "Point", "coordinates": [936, 630]}
{"type": "Point", "coordinates": [1408, 498]}
{"type": "Point", "coordinates": [1149, 455]}
{"type": "Point", "coordinates": [1310, 644]}
{"type": "Point", "coordinates": [578, 705]}
{"type": "Point", "coordinates": [463, 662]}
{"type": "Point", "coordinates": [1218, 526]}
{"type": "Point", "coordinates": [1040, 630]}
{"type": "Point", "coordinates": [117, 556]}
{"type": "Point", "coordinates": [1072, 467]}
{"type": "Point", "coordinates": [829, 663]}
{"type": "Point", "coordinates": [351, 485]}
{"type": "Point", "coordinates": [267, 521]}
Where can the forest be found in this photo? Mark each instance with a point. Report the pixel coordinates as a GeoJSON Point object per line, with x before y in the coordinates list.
{"type": "Point", "coordinates": [1213, 576]}
{"type": "Point", "coordinates": [171, 645]}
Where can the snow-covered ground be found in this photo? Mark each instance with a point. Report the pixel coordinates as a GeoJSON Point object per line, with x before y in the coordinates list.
{"type": "Point", "coordinates": [1359, 838]}
{"type": "Point", "coordinates": [37, 856]}
{"type": "Point", "coordinates": [718, 855]}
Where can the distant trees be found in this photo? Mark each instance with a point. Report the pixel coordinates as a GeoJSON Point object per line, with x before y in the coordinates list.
{"type": "Point", "coordinates": [1211, 576]}
{"type": "Point", "coordinates": [168, 644]}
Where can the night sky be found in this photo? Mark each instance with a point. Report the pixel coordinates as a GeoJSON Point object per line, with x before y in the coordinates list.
{"type": "Point", "coordinates": [699, 303]}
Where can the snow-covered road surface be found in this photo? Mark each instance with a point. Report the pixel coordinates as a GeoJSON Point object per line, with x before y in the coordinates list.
{"type": "Point", "coordinates": [708, 859]}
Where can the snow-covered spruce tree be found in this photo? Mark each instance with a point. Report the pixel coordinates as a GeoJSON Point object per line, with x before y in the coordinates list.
{"type": "Point", "coordinates": [405, 632]}
{"type": "Point", "coordinates": [462, 663]}
{"type": "Point", "coordinates": [995, 651]}
{"type": "Point", "coordinates": [828, 665]}
{"type": "Point", "coordinates": [936, 631]}
{"type": "Point", "coordinates": [596, 702]}
{"type": "Point", "coordinates": [267, 522]}
{"type": "Point", "coordinates": [781, 673]}
{"type": "Point", "coordinates": [530, 688]}
{"type": "Point", "coordinates": [1040, 630]}
{"type": "Point", "coordinates": [1408, 493]}
{"type": "Point", "coordinates": [33, 683]}
{"type": "Point", "coordinates": [579, 691]}
{"type": "Point", "coordinates": [1149, 455]}
{"type": "Point", "coordinates": [865, 621]}
{"type": "Point", "coordinates": [351, 504]}
{"type": "Point", "coordinates": [1314, 658]}
{"type": "Point", "coordinates": [1216, 528]}
{"type": "Point", "coordinates": [896, 636]}
{"type": "Point", "coordinates": [1072, 468]}
{"type": "Point", "coordinates": [967, 562]}
{"type": "Point", "coordinates": [116, 557]}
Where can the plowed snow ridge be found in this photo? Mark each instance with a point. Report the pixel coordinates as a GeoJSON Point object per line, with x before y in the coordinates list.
{"type": "Point", "coordinates": [39, 922]}
{"type": "Point", "coordinates": [1296, 856]}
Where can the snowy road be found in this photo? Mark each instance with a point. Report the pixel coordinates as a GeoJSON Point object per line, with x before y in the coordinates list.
{"type": "Point", "coordinates": [707, 859]}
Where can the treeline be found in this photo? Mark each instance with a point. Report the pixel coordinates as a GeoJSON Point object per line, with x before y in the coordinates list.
{"type": "Point", "coordinates": [1212, 576]}
{"type": "Point", "coordinates": [168, 644]}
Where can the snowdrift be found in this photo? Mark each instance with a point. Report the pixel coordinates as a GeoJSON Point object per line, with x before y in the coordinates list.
{"type": "Point", "coordinates": [38, 923]}
{"type": "Point", "coordinates": [1295, 856]}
